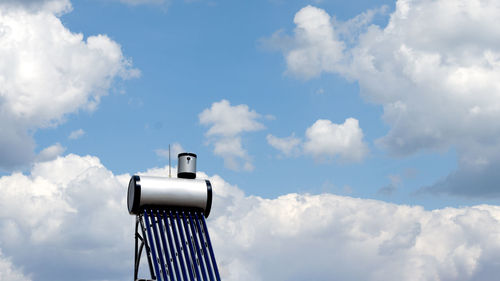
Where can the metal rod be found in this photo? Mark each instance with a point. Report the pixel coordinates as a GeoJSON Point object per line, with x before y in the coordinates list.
{"type": "Point", "coordinates": [148, 250]}
{"type": "Point", "coordinates": [158, 246]}
{"type": "Point", "coordinates": [186, 252]}
{"type": "Point", "coordinates": [179, 248]}
{"type": "Point", "coordinates": [197, 247]}
{"type": "Point", "coordinates": [139, 260]}
{"type": "Point", "coordinates": [164, 244]}
{"type": "Point", "coordinates": [212, 256]}
{"type": "Point", "coordinates": [136, 255]}
{"type": "Point", "coordinates": [204, 245]}
{"type": "Point", "coordinates": [191, 249]}
{"type": "Point", "coordinates": [152, 246]}
{"type": "Point", "coordinates": [171, 248]}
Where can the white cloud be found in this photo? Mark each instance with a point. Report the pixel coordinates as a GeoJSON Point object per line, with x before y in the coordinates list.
{"type": "Point", "coordinates": [67, 219]}
{"type": "Point", "coordinates": [48, 72]}
{"type": "Point", "coordinates": [327, 237]}
{"type": "Point", "coordinates": [227, 123]}
{"type": "Point", "coordinates": [289, 146]}
{"type": "Point", "coordinates": [55, 6]}
{"type": "Point", "coordinates": [231, 149]}
{"type": "Point", "coordinates": [76, 134]}
{"type": "Point", "coordinates": [317, 47]}
{"type": "Point", "coordinates": [9, 272]}
{"type": "Point", "coordinates": [50, 153]}
{"type": "Point", "coordinates": [72, 210]}
{"type": "Point", "coordinates": [434, 68]}
{"type": "Point", "coordinates": [326, 140]}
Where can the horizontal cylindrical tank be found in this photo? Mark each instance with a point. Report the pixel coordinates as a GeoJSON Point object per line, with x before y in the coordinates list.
{"type": "Point", "coordinates": [148, 191]}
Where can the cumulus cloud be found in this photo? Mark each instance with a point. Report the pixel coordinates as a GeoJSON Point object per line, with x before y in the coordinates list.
{"type": "Point", "coordinates": [76, 134]}
{"type": "Point", "coordinates": [50, 153]}
{"type": "Point", "coordinates": [67, 219]}
{"type": "Point", "coordinates": [48, 72]}
{"type": "Point", "coordinates": [289, 146]}
{"type": "Point", "coordinates": [227, 124]}
{"type": "Point", "coordinates": [328, 237]}
{"type": "Point", "coordinates": [325, 140]}
{"type": "Point", "coordinates": [227, 120]}
{"type": "Point", "coordinates": [316, 47]}
{"type": "Point", "coordinates": [434, 69]}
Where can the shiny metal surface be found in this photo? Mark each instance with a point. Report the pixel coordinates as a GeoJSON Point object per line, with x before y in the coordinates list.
{"type": "Point", "coordinates": [167, 192]}
{"type": "Point", "coordinates": [186, 165]}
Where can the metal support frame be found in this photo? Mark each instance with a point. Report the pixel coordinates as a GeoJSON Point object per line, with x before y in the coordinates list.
{"type": "Point", "coordinates": [177, 245]}
{"type": "Point", "coordinates": [138, 249]}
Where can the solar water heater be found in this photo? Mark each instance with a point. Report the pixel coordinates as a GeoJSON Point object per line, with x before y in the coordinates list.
{"type": "Point", "coordinates": [170, 224]}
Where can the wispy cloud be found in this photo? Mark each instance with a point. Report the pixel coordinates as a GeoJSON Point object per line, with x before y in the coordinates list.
{"type": "Point", "coordinates": [76, 134]}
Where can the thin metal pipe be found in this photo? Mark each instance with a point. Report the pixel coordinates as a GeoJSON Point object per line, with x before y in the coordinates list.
{"type": "Point", "coordinates": [161, 214]}
{"type": "Point", "coordinates": [164, 244]}
{"type": "Point", "coordinates": [159, 248]}
{"type": "Point", "coordinates": [178, 246]}
{"type": "Point", "coordinates": [139, 260]}
{"type": "Point", "coordinates": [197, 247]}
{"type": "Point", "coordinates": [204, 245]}
{"type": "Point", "coordinates": [151, 245]}
{"type": "Point", "coordinates": [136, 255]}
{"type": "Point", "coordinates": [148, 250]}
{"type": "Point", "coordinates": [191, 249]}
{"type": "Point", "coordinates": [212, 256]}
{"type": "Point", "coordinates": [186, 253]}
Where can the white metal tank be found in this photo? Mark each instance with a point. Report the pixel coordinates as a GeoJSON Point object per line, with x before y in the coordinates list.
{"type": "Point", "coordinates": [148, 191]}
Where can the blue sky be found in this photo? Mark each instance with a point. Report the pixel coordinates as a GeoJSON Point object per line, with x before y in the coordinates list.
{"type": "Point", "coordinates": [285, 102]}
{"type": "Point", "coordinates": [191, 55]}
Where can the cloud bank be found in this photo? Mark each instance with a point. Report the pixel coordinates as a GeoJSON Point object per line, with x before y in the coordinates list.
{"type": "Point", "coordinates": [48, 72]}
{"type": "Point", "coordinates": [433, 68]}
{"type": "Point", "coordinates": [67, 219]}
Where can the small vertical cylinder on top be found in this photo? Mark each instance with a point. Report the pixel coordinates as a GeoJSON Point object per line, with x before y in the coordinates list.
{"type": "Point", "coordinates": [186, 165]}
